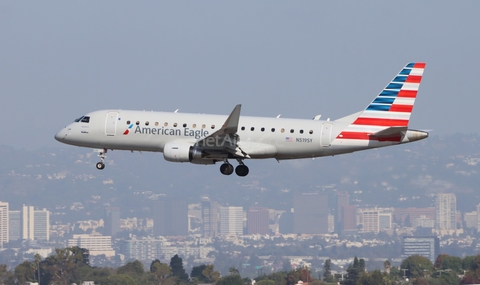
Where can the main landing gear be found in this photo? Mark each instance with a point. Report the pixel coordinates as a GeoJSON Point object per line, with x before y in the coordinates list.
{"type": "Point", "coordinates": [101, 165]}
{"type": "Point", "coordinates": [241, 170]}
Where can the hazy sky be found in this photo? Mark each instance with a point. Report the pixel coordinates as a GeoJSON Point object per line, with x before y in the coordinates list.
{"type": "Point", "coordinates": [62, 59]}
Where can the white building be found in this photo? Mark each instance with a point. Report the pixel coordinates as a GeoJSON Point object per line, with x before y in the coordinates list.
{"type": "Point", "coordinates": [3, 223]}
{"type": "Point", "coordinates": [471, 219]}
{"type": "Point", "coordinates": [96, 244]}
{"type": "Point", "coordinates": [27, 222]}
{"type": "Point", "coordinates": [374, 220]}
{"type": "Point", "coordinates": [445, 211]}
{"type": "Point", "coordinates": [231, 220]}
{"type": "Point", "coordinates": [35, 224]}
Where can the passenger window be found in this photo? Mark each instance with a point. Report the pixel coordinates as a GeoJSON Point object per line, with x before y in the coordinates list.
{"type": "Point", "coordinates": [147, 123]}
{"type": "Point", "coordinates": [301, 131]}
{"type": "Point", "coordinates": [184, 125]}
{"type": "Point", "coordinates": [165, 124]}
{"type": "Point", "coordinates": [273, 130]}
{"type": "Point", "coordinates": [213, 127]}
{"type": "Point", "coordinates": [203, 126]}
{"type": "Point", "coordinates": [243, 128]}
{"type": "Point", "coordinates": [311, 131]}
{"type": "Point", "coordinates": [282, 130]}
{"type": "Point", "coordinates": [128, 122]}
{"type": "Point", "coordinates": [174, 125]}
{"type": "Point", "coordinates": [252, 128]}
{"type": "Point", "coordinates": [85, 119]}
{"type": "Point", "coordinates": [137, 123]}
{"type": "Point", "coordinates": [156, 124]}
{"type": "Point", "coordinates": [291, 131]}
{"type": "Point", "coordinates": [262, 129]}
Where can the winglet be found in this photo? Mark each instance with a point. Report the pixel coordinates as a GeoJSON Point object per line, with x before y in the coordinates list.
{"type": "Point", "coordinates": [231, 124]}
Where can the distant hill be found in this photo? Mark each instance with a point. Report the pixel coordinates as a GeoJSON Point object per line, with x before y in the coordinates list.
{"type": "Point", "coordinates": [400, 176]}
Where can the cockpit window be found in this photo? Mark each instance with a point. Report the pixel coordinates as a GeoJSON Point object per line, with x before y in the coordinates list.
{"type": "Point", "coordinates": [85, 119]}
{"type": "Point", "coordinates": [78, 120]}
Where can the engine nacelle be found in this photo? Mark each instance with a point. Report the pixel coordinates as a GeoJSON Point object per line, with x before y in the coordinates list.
{"type": "Point", "coordinates": [182, 152]}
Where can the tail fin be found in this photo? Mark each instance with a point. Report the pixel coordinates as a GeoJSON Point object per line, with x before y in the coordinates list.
{"type": "Point", "coordinates": [391, 109]}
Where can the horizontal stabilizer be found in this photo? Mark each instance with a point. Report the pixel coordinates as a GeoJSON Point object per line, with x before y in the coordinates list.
{"type": "Point", "coordinates": [388, 132]}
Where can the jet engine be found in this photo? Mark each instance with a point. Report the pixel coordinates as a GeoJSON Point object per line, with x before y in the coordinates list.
{"type": "Point", "coordinates": [182, 152]}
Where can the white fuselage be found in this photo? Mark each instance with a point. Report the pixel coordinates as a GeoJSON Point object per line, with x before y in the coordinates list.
{"type": "Point", "coordinates": [260, 137]}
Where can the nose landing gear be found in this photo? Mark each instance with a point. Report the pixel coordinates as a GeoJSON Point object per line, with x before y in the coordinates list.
{"type": "Point", "coordinates": [101, 165]}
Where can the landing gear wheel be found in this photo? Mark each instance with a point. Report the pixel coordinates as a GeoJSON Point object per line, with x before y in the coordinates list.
{"type": "Point", "coordinates": [101, 165]}
{"type": "Point", "coordinates": [241, 170]}
{"type": "Point", "coordinates": [226, 169]}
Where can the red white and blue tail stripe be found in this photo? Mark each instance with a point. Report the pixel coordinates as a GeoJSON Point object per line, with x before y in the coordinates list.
{"type": "Point", "coordinates": [390, 111]}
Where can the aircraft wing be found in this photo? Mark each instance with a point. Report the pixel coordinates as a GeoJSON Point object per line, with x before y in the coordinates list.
{"type": "Point", "coordinates": [225, 140]}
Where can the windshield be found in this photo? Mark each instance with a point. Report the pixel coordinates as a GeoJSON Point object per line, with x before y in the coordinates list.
{"type": "Point", "coordinates": [83, 119]}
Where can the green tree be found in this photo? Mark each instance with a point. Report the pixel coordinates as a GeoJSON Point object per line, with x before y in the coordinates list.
{"type": "Point", "coordinates": [60, 267]}
{"type": "Point", "coordinates": [24, 272]}
{"type": "Point", "coordinates": [353, 272]}
{"type": "Point", "coordinates": [134, 269]}
{"type": "Point", "coordinates": [467, 262]}
{"type": "Point", "coordinates": [159, 272]}
{"type": "Point", "coordinates": [230, 280]}
{"type": "Point", "coordinates": [197, 273]}
{"type": "Point", "coordinates": [387, 266]}
{"type": "Point", "coordinates": [417, 266]}
{"type": "Point", "coordinates": [372, 278]}
{"type": "Point", "coordinates": [120, 279]}
{"type": "Point", "coordinates": [210, 274]}
{"type": "Point", "coordinates": [327, 271]}
{"type": "Point", "coordinates": [233, 271]}
{"type": "Point", "coordinates": [176, 263]}
{"type": "Point", "coordinates": [472, 276]}
{"type": "Point", "coordinates": [447, 262]}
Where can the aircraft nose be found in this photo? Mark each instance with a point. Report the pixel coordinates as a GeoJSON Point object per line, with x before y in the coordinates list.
{"type": "Point", "coordinates": [61, 135]}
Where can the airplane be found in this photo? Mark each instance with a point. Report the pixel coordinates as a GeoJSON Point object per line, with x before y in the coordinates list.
{"type": "Point", "coordinates": [208, 139]}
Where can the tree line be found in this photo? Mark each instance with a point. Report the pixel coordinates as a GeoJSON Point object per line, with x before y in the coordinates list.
{"type": "Point", "coordinates": [71, 265]}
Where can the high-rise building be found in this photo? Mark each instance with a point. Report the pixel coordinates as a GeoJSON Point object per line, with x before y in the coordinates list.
{"type": "Point", "coordinates": [4, 238]}
{"type": "Point", "coordinates": [478, 216]}
{"type": "Point", "coordinates": [112, 221]}
{"type": "Point", "coordinates": [258, 221]}
{"type": "Point", "coordinates": [445, 211]}
{"type": "Point", "coordinates": [231, 220]}
{"type": "Point", "coordinates": [170, 218]}
{"type": "Point", "coordinates": [35, 224]}
{"type": "Point", "coordinates": [349, 218]}
{"type": "Point", "coordinates": [370, 221]}
{"type": "Point", "coordinates": [210, 217]}
{"type": "Point", "coordinates": [14, 225]}
{"type": "Point", "coordinates": [342, 200]}
{"type": "Point", "coordinates": [27, 222]}
{"type": "Point", "coordinates": [41, 224]}
{"type": "Point", "coordinates": [310, 213]}
{"type": "Point", "coordinates": [426, 246]}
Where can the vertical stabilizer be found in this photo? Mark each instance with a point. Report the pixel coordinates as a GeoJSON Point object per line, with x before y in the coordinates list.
{"type": "Point", "coordinates": [391, 109]}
